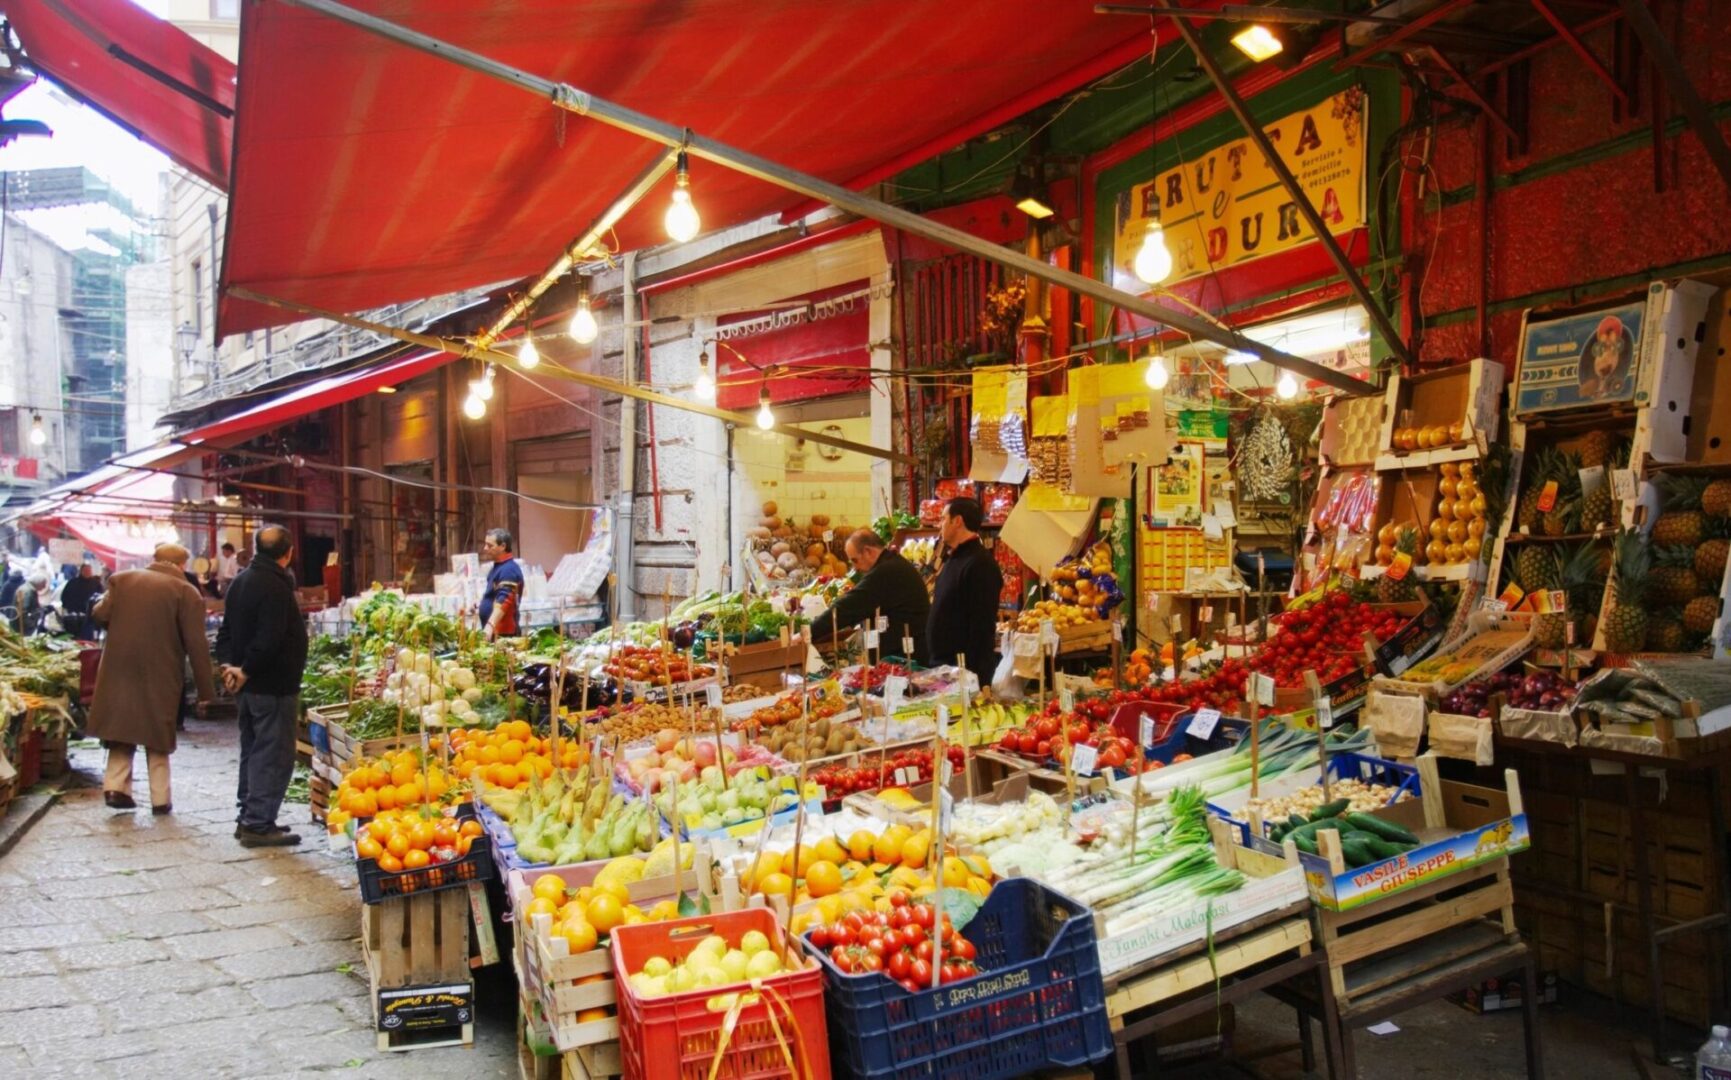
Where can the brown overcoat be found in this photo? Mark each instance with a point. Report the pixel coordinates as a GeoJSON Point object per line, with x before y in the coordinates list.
{"type": "Point", "coordinates": [155, 621]}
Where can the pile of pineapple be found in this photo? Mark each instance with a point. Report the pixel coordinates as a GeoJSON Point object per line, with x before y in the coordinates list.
{"type": "Point", "coordinates": [1665, 595]}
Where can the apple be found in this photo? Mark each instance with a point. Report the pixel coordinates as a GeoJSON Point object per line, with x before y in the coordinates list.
{"type": "Point", "coordinates": [705, 753]}
{"type": "Point", "coordinates": [666, 739]}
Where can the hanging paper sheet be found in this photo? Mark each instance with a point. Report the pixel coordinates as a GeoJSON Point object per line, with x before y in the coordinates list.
{"type": "Point", "coordinates": [1048, 456]}
{"type": "Point", "coordinates": [1177, 487]}
{"type": "Point", "coordinates": [998, 428]}
{"type": "Point", "coordinates": [1090, 472]}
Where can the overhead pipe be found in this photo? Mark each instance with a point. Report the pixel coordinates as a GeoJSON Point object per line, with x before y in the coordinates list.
{"type": "Point", "coordinates": [572, 99]}
{"type": "Point", "coordinates": [1677, 81]}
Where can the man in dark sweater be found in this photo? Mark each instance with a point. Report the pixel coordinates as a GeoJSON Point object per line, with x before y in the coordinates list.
{"type": "Point", "coordinates": [888, 584]}
{"type": "Point", "coordinates": [263, 649]}
{"type": "Point", "coordinates": [964, 616]}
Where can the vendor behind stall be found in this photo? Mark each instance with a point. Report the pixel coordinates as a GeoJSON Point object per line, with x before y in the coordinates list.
{"type": "Point", "coordinates": [964, 618]}
{"type": "Point", "coordinates": [889, 585]}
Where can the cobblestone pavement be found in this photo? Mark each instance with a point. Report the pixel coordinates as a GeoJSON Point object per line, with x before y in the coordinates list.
{"type": "Point", "coordinates": [142, 946]}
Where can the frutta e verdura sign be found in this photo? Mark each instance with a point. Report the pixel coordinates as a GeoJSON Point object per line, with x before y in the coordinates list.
{"type": "Point", "coordinates": [1585, 358]}
{"type": "Point", "coordinates": [418, 1008]}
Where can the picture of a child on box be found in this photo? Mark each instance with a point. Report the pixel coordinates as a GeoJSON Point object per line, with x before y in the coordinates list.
{"type": "Point", "coordinates": [1607, 361]}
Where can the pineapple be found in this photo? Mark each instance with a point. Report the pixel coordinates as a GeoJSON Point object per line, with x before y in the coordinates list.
{"type": "Point", "coordinates": [1682, 521]}
{"type": "Point", "coordinates": [1598, 448]}
{"type": "Point", "coordinates": [1564, 516]}
{"type": "Point", "coordinates": [1536, 568]}
{"type": "Point", "coordinates": [1390, 591]}
{"type": "Point", "coordinates": [1579, 580]}
{"type": "Point", "coordinates": [1673, 579]}
{"type": "Point", "coordinates": [1597, 507]}
{"type": "Point", "coordinates": [1667, 635]}
{"type": "Point", "coordinates": [1710, 562]}
{"type": "Point", "coordinates": [1551, 630]}
{"type": "Point", "coordinates": [1625, 624]}
{"type": "Point", "coordinates": [1527, 514]}
{"type": "Point", "coordinates": [1716, 498]}
{"type": "Point", "coordinates": [1699, 614]}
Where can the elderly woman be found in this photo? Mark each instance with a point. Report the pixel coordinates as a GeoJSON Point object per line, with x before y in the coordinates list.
{"type": "Point", "coordinates": [155, 623]}
{"type": "Point", "coordinates": [28, 601]}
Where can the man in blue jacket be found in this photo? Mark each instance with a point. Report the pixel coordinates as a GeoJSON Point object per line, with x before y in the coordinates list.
{"type": "Point", "coordinates": [263, 648]}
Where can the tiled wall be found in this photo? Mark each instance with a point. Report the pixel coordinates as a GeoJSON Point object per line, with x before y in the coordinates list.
{"type": "Point", "coordinates": [841, 489]}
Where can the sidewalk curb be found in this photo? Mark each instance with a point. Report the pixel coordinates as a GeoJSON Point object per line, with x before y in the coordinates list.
{"type": "Point", "coordinates": [26, 810]}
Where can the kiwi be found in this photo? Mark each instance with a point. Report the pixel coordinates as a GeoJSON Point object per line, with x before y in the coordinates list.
{"type": "Point", "coordinates": [823, 726]}
{"type": "Point", "coordinates": [837, 743]}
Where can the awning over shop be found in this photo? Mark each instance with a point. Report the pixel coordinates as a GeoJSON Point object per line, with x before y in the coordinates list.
{"type": "Point", "coordinates": [147, 75]}
{"type": "Point", "coordinates": [368, 173]}
{"type": "Point", "coordinates": [311, 397]}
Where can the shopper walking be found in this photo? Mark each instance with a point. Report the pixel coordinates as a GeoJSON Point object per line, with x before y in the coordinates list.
{"type": "Point", "coordinates": [76, 598]}
{"type": "Point", "coordinates": [155, 624]}
{"type": "Point", "coordinates": [263, 649]}
{"type": "Point", "coordinates": [227, 566]}
{"type": "Point", "coordinates": [28, 601]}
{"type": "Point", "coordinates": [504, 585]}
{"type": "Point", "coordinates": [964, 616]}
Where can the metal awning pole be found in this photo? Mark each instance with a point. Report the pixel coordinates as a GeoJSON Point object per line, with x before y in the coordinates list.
{"type": "Point", "coordinates": [1295, 192]}
{"type": "Point", "coordinates": [599, 382]}
{"type": "Point", "coordinates": [1700, 118]}
{"type": "Point", "coordinates": [580, 247]}
{"type": "Point", "coordinates": [569, 97]}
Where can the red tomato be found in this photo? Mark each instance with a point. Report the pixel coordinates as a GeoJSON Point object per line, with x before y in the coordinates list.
{"type": "Point", "coordinates": [963, 948]}
{"type": "Point", "coordinates": [900, 963]}
{"type": "Point", "coordinates": [869, 962]}
{"type": "Point", "coordinates": [820, 937]}
{"type": "Point", "coordinates": [923, 951]}
{"type": "Point", "coordinates": [921, 973]}
{"type": "Point", "coordinates": [923, 915]}
{"type": "Point", "coordinates": [842, 959]}
{"type": "Point", "coordinates": [900, 899]}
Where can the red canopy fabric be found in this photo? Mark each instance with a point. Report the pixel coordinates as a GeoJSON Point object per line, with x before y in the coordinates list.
{"type": "Point", "coordinates": [368, 173]}
{"type": "Point", "coordinates": [313, 396]}
{"type": "Point", "coordinates": [147, 75]}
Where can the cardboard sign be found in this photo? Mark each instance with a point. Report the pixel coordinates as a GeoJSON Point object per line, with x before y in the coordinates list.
{"type": "Point", "coordinates": [1084, 759]}
{"type": "Point", "coordinates": [1201, 725]}
{"type": "Point", "coordinates": [712, 696]}
{"type": "Point", "coordinates": [1067, 699]}
{"type": "Point", "coordinates": [1262, 688]}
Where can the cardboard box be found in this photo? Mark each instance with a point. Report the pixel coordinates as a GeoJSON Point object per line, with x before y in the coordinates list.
{"type": "Point", "coordinates": [770, 656]}
{"type": "Point", "coordinates": [1466, 394]}
{"type": "Point", "coordinates": [1498, 994]}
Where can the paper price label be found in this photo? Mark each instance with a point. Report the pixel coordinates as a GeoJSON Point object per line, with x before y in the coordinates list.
{"type": "Point", "coordinates": [426, 751]}
{"type": "Point", "coordinates": [871, 639]}
{"type": "Point", "coordinates": [895, 688]}
{"type": "Point", "coordinates": [1177, 624]}
{"type": "Point", "coordinates": [1511, 596]}
{"type": "Point", "coordinates": [1067, 699]}
{"type": "Point", "coordinates": [1402, 564]}
{"type": "Point", "coordinates": [901, 776]}
{"type": "Point", "coordinates": [907, 647]}
{"type": "Point", "coordinates": [639, 689]}
{"type": "Point", "coordinates": [595, 747]}
{"type": "Point", "coordinates": [1559, 600]}
{"type": "Point", "coordinates": [1084, 759]}
{"type": "Point", "coordinates": [1262, 687]}
{"type": "Point", "coordinates": [883, 623]}
{"type": "Point", "coordinates": [946, 809]}
{"type": "Point", "coordinates": [784, 637]}
{"type": "Point", "coordinates": [1201, 725]}
{"type": "Point", "coordinates": [1623, 484]}
{"type": "Point", "coordinates": [1548, 497]}
{"type": "Point", "coordinates": [1048, 633]}
{"type": "Point", "coordinates": [1206, 615]}
{"type": "Point", "coordinates": [947, 770]}
{"type": "Point", "coordinates": [1490, 604]}
{"type": "Point", "coordinates": [943, 721]}
{"type": "Point", "coordinates": [1117, 630]}
{"type": "Point", "coordinates": [712, 696]}
{"type": "Point", "coordinates": [829, 536]}
{"type": "Point", "coordinates": [1147, 731]}
{"type": "Point", "coordinates": [1324, 713]}
{"type": "Point", "coordinates": [1591, 477]}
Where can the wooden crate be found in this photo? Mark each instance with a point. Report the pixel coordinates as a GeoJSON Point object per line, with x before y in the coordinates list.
{"type": "Point", "coordinates": [532, 1033]}
{"type": "Point", "coordinates": [53, 756]}
{"type": "Point", "coordinates": [318, 798]}
{"type": "Point", "coordinates": [594, 1062]}
{"type": "Point", "coordinates": [346, 749]}
{"type": "Point", "coordinates": [418, 943]}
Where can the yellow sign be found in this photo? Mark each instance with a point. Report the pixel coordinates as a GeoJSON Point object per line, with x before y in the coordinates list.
{"type": "Point", "coordinates": [1228, 207]}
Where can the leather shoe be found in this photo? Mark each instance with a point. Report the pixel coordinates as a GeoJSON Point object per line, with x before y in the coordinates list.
{"type": "Point", "coordinates": [251, 839]}
{"type": "Point", "coordinates": [118, 800]}
{"type": "Point", "coordinates": [238, 830]}
{"type": "Point", "coordinates": [163, 809]}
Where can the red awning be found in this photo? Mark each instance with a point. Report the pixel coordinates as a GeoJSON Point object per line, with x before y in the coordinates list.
{"type": "Point", "coordinates": [313, 396]}
{"type": "Point", "coordinates": [368, 173]}
{"type": "Point", "coordinates": [145, 74]}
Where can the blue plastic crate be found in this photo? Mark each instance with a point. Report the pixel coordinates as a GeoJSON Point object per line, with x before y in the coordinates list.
{"type": "Point", "coordinates": [1039, 1002]}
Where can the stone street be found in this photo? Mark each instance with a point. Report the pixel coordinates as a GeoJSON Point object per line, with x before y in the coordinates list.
{"type": "Point", "coordinates": [142, 946]}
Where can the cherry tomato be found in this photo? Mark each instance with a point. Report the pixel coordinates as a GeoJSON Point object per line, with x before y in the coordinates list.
{"type": "Point", "coordinates": [899, 899]}
{"type": "Point", "coordinates": [841, 934]}
{"type": "Point", "coordinates": [840, 957]}
{"type": "Point", "coordinates": [923, 915]}
{"type": "Point", "coordinates": [923, 951]}
{"type": "Point", "coordinates": [912, 934]}
{"type": "Point", "coordinates": [910, 985]}
{"type": "Point", "coordinates": [962, 947]}
{"type": "Point", "coordinates": [900, 963]}
{"type": "Point", "coordinates": [874, 945]}
{"type": "Point", "coordinates": [820, 938]}
{"type": "Point", "coordinates": [893, 940]}
{"type": "Point", "coordinates": [869, 962]}
{"type": "Point", "coordinates": [921, 973]}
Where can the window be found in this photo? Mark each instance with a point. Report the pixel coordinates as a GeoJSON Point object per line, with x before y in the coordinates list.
{"type": "Point", "coordinates": [198, 296]}
{"type": "Point", "coordinates": [225, 9]}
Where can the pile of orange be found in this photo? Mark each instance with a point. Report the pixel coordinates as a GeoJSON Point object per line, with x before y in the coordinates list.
{"type": "Point", "coordinates": [411, 839]}
{"type": "Point", "coordinates": [583, 916]}
{"type": "Point", "coordinates": [510, 754]}
{"type": "Point", "coordinates": [860, 874]}
{"type": "Point", "coordinates": [392, 781]}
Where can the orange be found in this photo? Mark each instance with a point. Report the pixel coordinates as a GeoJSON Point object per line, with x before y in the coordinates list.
{"type": "Point", "coordinates": [464, 843]}
{"type": "Point", "coordinates": [578, 935]}
{"type": "Point", "coordinates": [829, 849]}
{"type": "Point", "coordinates": [541, 906]}
{"type": "Point", "coordinates": [445, 833]}
{"type": "Point", "coordinates": [397, 844]}
{"type": "Point", "coordinates": [387, 798]}
{"type": "Point", "coordinates": [914, 851]}
{"type": "Point", "coordinates": [511, 753]}
{"type": "Point", "coordinates": [411, 793]}
{"type": "Point", "coordinates": [597, 1013]}
{"type": "Point", "coordinates": [506, 776]}
{"type": "Point", "coordinates": [390, 864]}
{"type": "Point", "coordinates": [415, 859]}
{"type": "Point", "coordinates": [549, 886]}
{"type": "Point", "coordinates": [366, 805]}
{"type": "Point", "coordinates": [489, 755]}
{"type": "Point", "coordinates": [796, 868]}
{"type": "Point", "coordinates": [422, 834]}
{"type": "Point", "coordinates": [859, 845]}
{"type": "Point", "coordinates": [616, 890]}
{"type": "Point", "coordinates": [767, 863]}
{"type": "Point", "coordinates": [402, 774]}
{"type": "Point", "coordinates": [776, 884]}
{"type": "Point", "coordinates": [368, 848]}
{"type": "Point", "coordinates": [823, 878]}
{"type": "Point", "coordinates": [470, 827]}
{"type": "Point", "coordinates": [887, 848]}
{"type": "Point", "coordinates": [605, 912]}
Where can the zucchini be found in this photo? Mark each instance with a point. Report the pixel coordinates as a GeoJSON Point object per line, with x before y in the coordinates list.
{"type": "Point", "coordinates": [1306, 843]}
{"type": "Point", "coordinates": [1358, 853]}
{"type": "Point", "coordinates": [1385, 849]}
{"type": "Point", "coordinates": [1330, 810]}
{"type": "Point", "coordinates": [1388, 830]}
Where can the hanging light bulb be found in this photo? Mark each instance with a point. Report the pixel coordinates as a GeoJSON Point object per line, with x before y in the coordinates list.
{"type": "Point", "coordinates": [1153, 262]}
{"type": "Point", "coordinates": [474, 407]}
{"type": "Point", "coordinates": [482, 388]}
{"type": "Point", "coordinates": [703, 389]}
{"type": "Point", "coordinates": [528, 357]}
{"type": "Point", "coordinates": [38, 435]}
{"type": "Point", "coordinates": [583, 328]}
{"type": "Point", "coordinates": [765, 415]}
{"type": "Point", "coordinates": [1287, 387]}
{"type": "Point", "coordinates": [682, 222]}
{"type": "Point", "coordinates": [1157, 374]}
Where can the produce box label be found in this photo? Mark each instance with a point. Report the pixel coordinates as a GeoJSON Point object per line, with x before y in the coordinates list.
{"type": "Point", "coordinates": [1173, 930]}
{"type": "Point", "coordinates": [1422, 633]}
{"type": "Point", "coordinates": [418, 1008]}
{"type": "Point", "coordinates": [1421, 865]}
{"type": "Point", "coordinates": [1587, 358]}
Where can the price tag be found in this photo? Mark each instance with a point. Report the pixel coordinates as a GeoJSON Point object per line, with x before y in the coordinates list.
{"type": "Point", "coordinates": [1397, 570]}
{"type": "Point", "coordinates": [943, 721]}
{"type": "Point", "coordinates": [639, 689]}
{"type": "Point", "coordinates": [829, 536]}
{"type": "Point", "coordinates": [1048, 633]}
{"type": "Point", "coordinates": [426, 751]}
{"type": "Point", "coordinates": [1067, 699]}
{"type": "Point", "coordinates": [1201, 725]}
{"type": "Point", "coordinates": [1118, 630]}
{"type": "Point", "coordinates": [1084, 759]}
{"type": "Point", "coordinates": [907, 646]}
{"type": "Point", "coordinates": [595, 748]}
{"type": "Point", "coordinates": [901, 776]}
{"type": "Point", "coordinates": [1147, 731]}
{"type": "Point", "coordinates": [1324, 713]}
{"type": "Point", "coordinates": [871, 639]}
{"type": "Point", "coordinates": [712, 696]}
{"type": "Point", "coordinates": [1206, 615]}
{"type": "Point", "coordinates": [946, 809]}
{"type": "Point", "coordinates": [1511, 596]}
{"type": "Point", "coordinates": [1591, 478]}
{"type": "Point", "coordinates": [1559, 601]}
{"type": "Point", "coordinates": [1569, 633]}
{"type": "Point", "coordinates": [1262, 686]}
{"type": "Point", "coordinates": [1548, 497]}
{"type": "Point", "coordinates": [1211, 527]}
{"type": "Point", "coordinates": [947, 770]}
{"type": "Point", "coordinates": [1177, 622]}
{"type": "Point", "coordinates": [1492, 604]}
{"type": "Point", "coordinates": [895, 688]}
{"type": "Point", "coordinates": [822, 793]}
{"type": "Point", "coordinates": [1623, 484]}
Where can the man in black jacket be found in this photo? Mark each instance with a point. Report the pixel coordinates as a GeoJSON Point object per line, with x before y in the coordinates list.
{"type": "Point", "coordinates": [263, 648]}
{"type": "Point", "coordinates": [964, 616]}
{"type": "Point", "coordinates": [888, 584]}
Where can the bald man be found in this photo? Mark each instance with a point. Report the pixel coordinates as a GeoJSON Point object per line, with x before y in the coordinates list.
{"type": "Point", "coordinates": [263, 648]}
{"type": "Point", "coordinates": [155, 624]}
{"type": "Point", "coordinates": [888, 585]}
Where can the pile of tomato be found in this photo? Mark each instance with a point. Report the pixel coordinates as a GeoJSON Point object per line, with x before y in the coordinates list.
{"type": "Point", "coordinates": [1327, 638]}
{"type": "Point", "coordinates": [869, 774]}
{"type": "Point", "coordinates": [898, 943]}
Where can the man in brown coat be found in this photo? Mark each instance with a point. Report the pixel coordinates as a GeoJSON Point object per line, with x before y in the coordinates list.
{"type": "Point", "coordinates": [155, 623]}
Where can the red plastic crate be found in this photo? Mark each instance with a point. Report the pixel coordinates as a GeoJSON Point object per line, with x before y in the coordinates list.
{"type": "Point", "coordinates": [677, 1035]}
{"type": "Point", "coordinates": [1127, 719]}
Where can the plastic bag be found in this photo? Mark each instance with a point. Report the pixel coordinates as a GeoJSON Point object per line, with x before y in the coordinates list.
{"type": "Point", "coordinates": [1006, 684]}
